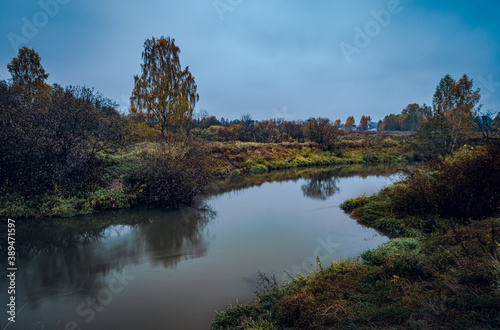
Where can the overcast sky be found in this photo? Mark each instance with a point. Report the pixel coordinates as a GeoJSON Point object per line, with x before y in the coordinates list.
{"type": "Point", "coordinates": [270, 58]}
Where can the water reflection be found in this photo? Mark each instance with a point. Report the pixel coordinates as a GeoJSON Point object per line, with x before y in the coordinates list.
{"type": "Point", "coordinates": [326, 189]}
{"type": "Point", "coordinates": [62, 262]}
{"type": "Point", "coordinates": [321, 186]}
{"type": "Point", "coordinates": [80, 254]}
{"type": "Point", "coordinates": [180, 238]}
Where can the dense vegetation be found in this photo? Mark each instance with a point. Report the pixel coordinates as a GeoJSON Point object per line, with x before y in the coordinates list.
{"type": "Point", "coordinates": [63, 151]}
{"type": "Point", "coordinates": [441, 271]}
{"type": "Point", "coordinates": [67, 151]}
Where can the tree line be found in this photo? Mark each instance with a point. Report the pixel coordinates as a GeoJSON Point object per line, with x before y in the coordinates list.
{"type": "Point", "coordinates": [51, 136]}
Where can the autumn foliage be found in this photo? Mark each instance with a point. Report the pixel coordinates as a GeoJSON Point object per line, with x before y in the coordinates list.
{"type": "Point", "coordinates": [164, 95]}
{"type": "Point", "coordinates": [465, 185]}
{"type": "Point", "coordinates": [171, 176]}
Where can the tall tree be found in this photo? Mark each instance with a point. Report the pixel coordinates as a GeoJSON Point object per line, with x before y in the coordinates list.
{"type": "Point", "coordinates": [413, 121]}
{"type": "Point", "coordinates": [165, 94]}
{"type": "Point", "coordinates": [28, 74]}
{"type": "Point", "coordinates": [365, 122]}
{"type": "Point", "coordinates": [246, 119]}
{"type": "Point", "coordinates": [337, 123]}
{"type": "Point", "coordinates": [455, 105]}
{"type": "Point", "coordinates": [485, 123]}
{"type": "Point", "coordinates": [394, 122]}
{"type": "Point", "coordinates": [349, 123]}
{"type": "Point", "coordinates": [322, 131]}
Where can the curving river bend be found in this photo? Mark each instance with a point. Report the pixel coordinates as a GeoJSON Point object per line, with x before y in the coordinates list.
{"type": "Point", "coordinates": [152, 269]}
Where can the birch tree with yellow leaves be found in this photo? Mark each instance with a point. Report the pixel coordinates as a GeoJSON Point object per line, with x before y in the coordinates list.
{"type": "Point", "coordinates": [165, 94]}
{"type": "Point", "coordinates": [349, 124]}
{"type": "Point", "coordinates": [455, 106]}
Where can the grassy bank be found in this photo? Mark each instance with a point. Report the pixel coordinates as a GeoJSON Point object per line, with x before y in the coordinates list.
{"type": "Point", "coordinates": [125, 178]}
{"type": "Point", "coordinates": [442, 269]}
{"type": "Point", "coordinates": [250, 157]}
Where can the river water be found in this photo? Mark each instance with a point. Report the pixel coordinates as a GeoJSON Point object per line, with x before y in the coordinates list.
{"type": "Point", "coordinates": [152, 269]}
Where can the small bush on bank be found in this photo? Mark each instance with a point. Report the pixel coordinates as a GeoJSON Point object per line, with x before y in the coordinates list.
{"type": "Point", "coordinates": [105, 199]}
{"type": "Point", "coordinates": [171, 175]}
{"type": "Point", "coordinates": [235, 174]}
{"type": "Point", "coordinates": [399, 256]}
{"type": "Point", "coordinates": [15, 206]}
{"type": "Point", "coordinates": [259, 168]}
{"type": "Point", "coordinates": [47, 206]}
{"type": "Point", "coordinates": [232, 317]}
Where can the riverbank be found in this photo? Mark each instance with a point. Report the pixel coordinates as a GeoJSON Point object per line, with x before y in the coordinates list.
{"type": "Point", "coordinates": [250, 157]}
{"type": "Point", "coordinates": [441, 271]}
{"type": "Point", "coordinates": [223, 159]}
{"type": "Point", "coordinates": [193, 254]}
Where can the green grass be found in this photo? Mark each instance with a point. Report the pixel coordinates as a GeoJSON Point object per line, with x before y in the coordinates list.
{"type": "Point", "coordinates": [61, 206]}
{"type": "Point", "coordinates": [436, 272]}
{"type": "Point", "coordinates": [247, 156]}
{"type": "Point", "coordinates": [449, 281]}
{"type": "Point", "coordinates": [230, 158]}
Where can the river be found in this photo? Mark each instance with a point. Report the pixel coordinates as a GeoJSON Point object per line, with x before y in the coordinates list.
{"type": "Point", "coordinates": [152, 269]}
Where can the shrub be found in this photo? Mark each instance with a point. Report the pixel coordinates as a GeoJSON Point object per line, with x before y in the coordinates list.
{"type": "Point", "coordinates": [322, 131]}
{"type": "Point", "coordinates": [139, 132]}
{"type": "Point", "coordinates": [232, 317]}
{"type": "Point", "coordinates": [105, 199]}
{"type": "Point", "coordinates": [259, 168]}
{"type": "Point", "coordinates": [464, 185]}
{"type": "Point", "coordinates": [235, 173]}
{"type": "Point", "coordinates": [399, 257]}
{"type": "Point", "coordinates": [377, 208]}
{"type": "Point", "coordinates": [372, 158]}
{"type": "Point", "coordinates": [171, 175]}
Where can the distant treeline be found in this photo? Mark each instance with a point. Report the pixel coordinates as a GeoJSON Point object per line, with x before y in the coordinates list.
{"type": "Point", "coordinates": [412, 118]}
{"type": "Point", "coordinates": [54, 139]}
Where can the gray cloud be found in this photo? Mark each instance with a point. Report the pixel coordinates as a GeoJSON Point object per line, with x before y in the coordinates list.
{"type": "Point", "coordinates": [267, 55]}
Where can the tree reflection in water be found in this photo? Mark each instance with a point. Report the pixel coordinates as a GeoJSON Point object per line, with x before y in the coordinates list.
{"type": "Point", "coordinates": [59, 257]}
{"type": "Point", "coordinates": [322, 186]}
{"type": "Point", "coordinates": [322, 180]}
{"type": "Point", "coordinates": [181, 238]}
{"type": "Point", "coordinates": [79, 256]}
